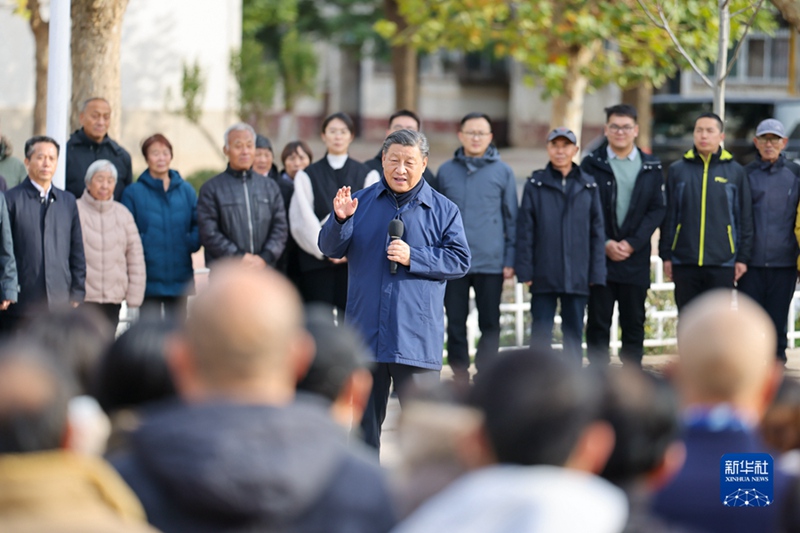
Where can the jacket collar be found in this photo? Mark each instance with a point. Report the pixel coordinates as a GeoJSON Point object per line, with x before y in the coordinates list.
{"type": "Point", "coordinates": [97, 205]}
{"type": "Point", "coordinates": [32, 192]}
{"type": "Point", "coordinates": [765, 165]}
{"type": "Point", "coordinates": [694, 156]}
{"type": "Point", "coordinates": [424, 196]}
{"type": "Point", "coordinates": [474, 163]}
{"type": "Point", "coordinates": [239, 174]}
{"type": "Point", "coordinates": [553, 176]}
{"type": "Point", "coordinates": [147, 179]}
{"type": "Point", "coordinates": [81, 138]}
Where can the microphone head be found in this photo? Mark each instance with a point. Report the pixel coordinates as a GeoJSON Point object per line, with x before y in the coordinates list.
{"type": "Point", "coordinates": [396, 228]}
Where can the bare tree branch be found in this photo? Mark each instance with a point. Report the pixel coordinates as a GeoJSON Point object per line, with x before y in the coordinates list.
{"type": "Point", "coordinates": [664, 25]}
{"type": "Point", "coordinates": [738, 48]}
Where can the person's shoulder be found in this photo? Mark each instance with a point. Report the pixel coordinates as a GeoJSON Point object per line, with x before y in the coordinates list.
{"type": "Point", "coordinates": [214, 183]}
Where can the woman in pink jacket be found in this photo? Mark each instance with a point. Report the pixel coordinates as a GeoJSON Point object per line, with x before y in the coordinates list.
{"type": "Point", "coordinates": [115, 268]}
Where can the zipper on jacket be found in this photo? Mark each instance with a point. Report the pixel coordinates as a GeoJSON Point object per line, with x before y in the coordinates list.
{"type": "Point", "coordinates": [730, 238]}
{"type": "Point", "coordinates": [675, 240]}
{"type": "Point", "coordinates": [706, 164]}
{"type": "Point", "coordinates": [249, 216]}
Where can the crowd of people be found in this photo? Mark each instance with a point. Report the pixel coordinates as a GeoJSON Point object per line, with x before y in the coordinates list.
{"type": "Point", "coordinates": [258, 406]}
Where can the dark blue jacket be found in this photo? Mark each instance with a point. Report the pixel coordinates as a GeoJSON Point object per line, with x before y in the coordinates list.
{"type": "Point", "coordinates": [775, 190]}
{"type": "Point", "coordinates": [401, 316]}
{"type": "Point", "coordinates": [485, 191]}
{"type": "Point", "coordinates": [82, 152]}
{"type": "Point", "coordinates": [560, 235]}
{"type": "Point", "coordinates": [645, 214]}
{"type": "Point", "coordinates": [167, 222]}
{"type": "Point", "coordinates": [50, 263]}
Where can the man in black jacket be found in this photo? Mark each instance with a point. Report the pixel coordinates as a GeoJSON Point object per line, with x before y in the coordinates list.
{"type": "Point", "coordinates": [239, 213]}
{"type": "Point", "coordinates": [707, 235]}
{"type": "Point", "coordinates": [90, 143]}
{"type": "Point", "coordinates": [775, 187]}
{"type": "Point", "coordinates": [631, 188]}
{"type": "Point", "coordinates": [403, 119]}
{"type": "Point", "coordinates": [46, 230]}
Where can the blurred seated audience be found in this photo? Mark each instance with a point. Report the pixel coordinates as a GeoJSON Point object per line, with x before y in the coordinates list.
{"type": "Point", "coordinates": [44, 485]}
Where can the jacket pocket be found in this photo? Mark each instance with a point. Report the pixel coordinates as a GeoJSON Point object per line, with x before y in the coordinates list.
{"type": "Point", "coordinates": [675, 240]}
{"type": "Point", "coordinates": [730, 239]}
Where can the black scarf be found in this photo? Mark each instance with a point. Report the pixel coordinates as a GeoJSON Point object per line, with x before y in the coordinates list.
{"type": "Point", "coordinates": [404, 197]}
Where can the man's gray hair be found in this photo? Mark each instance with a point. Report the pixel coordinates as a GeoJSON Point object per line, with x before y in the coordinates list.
{"type": "Point", "coordinates": [99, 166]}
{"type": "Point", "coordinates": [239, 126]}
{"type": "Point", "coordinates": [408, 138]}
{"type": "Point", "coordinates": [92, 99]}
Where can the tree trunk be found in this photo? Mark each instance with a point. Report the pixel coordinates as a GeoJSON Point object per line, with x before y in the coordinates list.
{"type": "Point", "coordinates": [722, 58]}
{"type": "Point", "coordinates": [641, 97]}
{"type": "Point", "coordinates": [568, 106]}
{"type": "Point", "coordinates": [96, 33]}
{"type": "Point", "coordinates": [790, 9]}
{"type": "Point", "coordinates": [41, 36]}
{"type": "Point", "coordinates": [404, 63]}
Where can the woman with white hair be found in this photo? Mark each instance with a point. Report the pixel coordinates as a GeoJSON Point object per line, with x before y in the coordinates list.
{"type": "Point", "coordinates": [115, 268]}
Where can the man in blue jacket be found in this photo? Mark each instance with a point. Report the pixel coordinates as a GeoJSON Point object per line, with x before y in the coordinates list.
{"type": "Point", "coordinates": [560, 249]}
{"type": "Point", "coordinates": [707, 235]}
{"type": "Point", "coordinates": [775, 188]}
{"type": "Point", "coordinates": [485, 190]}
{"type": "Point", "coordinates": [398, 309]}
{"type": "Point", "coordinates": [631, 185]}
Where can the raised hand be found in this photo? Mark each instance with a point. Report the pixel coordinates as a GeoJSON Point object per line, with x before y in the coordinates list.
{"type": "Point", "coordinates": [344, 205]}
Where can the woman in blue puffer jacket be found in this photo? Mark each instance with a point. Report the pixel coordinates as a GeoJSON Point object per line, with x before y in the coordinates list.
{"type": "Point", "coordinates": [164, 207]}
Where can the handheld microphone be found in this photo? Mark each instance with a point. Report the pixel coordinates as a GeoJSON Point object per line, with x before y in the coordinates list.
{"type": "Point", "coordinates": [396, 229]}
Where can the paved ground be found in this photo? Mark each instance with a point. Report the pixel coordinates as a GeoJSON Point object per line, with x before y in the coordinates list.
{"type": "Point", "coordinates": [390, 455]}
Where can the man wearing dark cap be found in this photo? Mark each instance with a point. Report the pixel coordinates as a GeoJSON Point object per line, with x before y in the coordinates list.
{"type": "Point", "coordinates": [560, 248]}
{"type": "Point", "coordinates": [775, 188]}
{"type": "Point", "coordinates": [264, 160]}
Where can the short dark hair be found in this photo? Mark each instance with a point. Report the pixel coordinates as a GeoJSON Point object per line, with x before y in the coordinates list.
{"type": "Point", "coordinates": [344, 117]}
{"type": "Point", "coordinates": [33, 414]}
{"type": "Point", "coordinates": [292, 148]}
{"type": "Point", "coordinates": [715, 117]}
{"type": "Point", "coordinates": [621, 110]}
{"type": "Point", "coordinates": [407, 138]}
{"type": "Point", "coordinates": [473, 115]}
{"type": "Point", "coordinates": [340, 352]}
{"type": "Point", "coordinates": [535, 405]}
{"type": "Point", "coordinates": [153, 139]}
{"type": "Point", "coordinates": [644, 413]}
{"type": "Point", "coordinates": [405, 113]}
{"type": "Point", "coordinates": [134, 369]}
{"type": "Point", "coordinates": [36, 139]}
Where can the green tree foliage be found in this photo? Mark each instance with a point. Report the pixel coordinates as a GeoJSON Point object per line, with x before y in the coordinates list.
{"type": "Point", "coordinates": [257, 79]}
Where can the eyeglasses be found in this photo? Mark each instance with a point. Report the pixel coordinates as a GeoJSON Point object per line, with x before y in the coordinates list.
{"type": "Point", "coordinates": [774, 141]}
{"type": "Point", "coordinates": [476, 134]}
{"type": "Point", "coordinates": [613, 128]}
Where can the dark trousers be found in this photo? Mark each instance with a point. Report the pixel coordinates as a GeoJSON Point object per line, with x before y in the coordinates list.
{"type": "Point", "coordinates": [543, 311]}
{"type": "Point", "coordinates": [488, 290]}
{"type": "Point", "coordinates": [404, 377]}
{"type": "Point", "coordinates": [325, 285]}
{"type": "Point", "coordinates": [164, 307]}
{"type": "Point", "coordinates": [631, 300]}
{"type": "Point", "coordinates": [692, 281]}
{"type": "Point", "coordinates": [110, 311]}
{"type": "Point", "coordinates": [773, 289]}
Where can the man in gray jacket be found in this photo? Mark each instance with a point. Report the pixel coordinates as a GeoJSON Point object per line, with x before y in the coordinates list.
{"type": "Point", "coordinates": [238, 215]}
{"type": "Point", "coordinates": [485, 191]}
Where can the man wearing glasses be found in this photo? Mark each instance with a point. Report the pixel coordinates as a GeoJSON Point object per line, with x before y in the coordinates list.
{"type": "Point", "coordinates": [707, 235]}
{"type": "Point", "coordinates": [631, 185]}
{"type": "Point", "coordinates": [775, 187]}
{"type": "Point", "coordinates": [485, 190]}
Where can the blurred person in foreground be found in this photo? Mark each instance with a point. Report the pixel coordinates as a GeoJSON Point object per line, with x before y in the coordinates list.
{"type": "Point", "coordinates": [240, 453]}
{"type": "Point", "coordinates": [115, 268]}
{"type": "Point", "coordinates": [643, 411]}
{"type": "Point", "coordinates": [44, 485]}
{"type": "Point", "coordinates": [396, 285]}
{"type": "Point", "coordinates": [726, 377]}
{"type": "Point", "coordinates": [164, 207]}
{"type": "Point", "coordinates": [535, 457]}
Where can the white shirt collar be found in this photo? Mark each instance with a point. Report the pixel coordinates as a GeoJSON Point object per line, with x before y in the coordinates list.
{"type": "Point", "coordinates": [43, 193]}
{"type": "Point", "coordinates": [631, 156]}
{"type": "Point", "coordinates": [337, 161]}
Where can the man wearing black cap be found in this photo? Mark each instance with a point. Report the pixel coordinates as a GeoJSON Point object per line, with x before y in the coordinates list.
{"type": "Point", "coordinates": [775, 187]}
{"type": "Point", "coordinates": [264, 160]}
{"type": "Point", "coordinates": [560, 248]}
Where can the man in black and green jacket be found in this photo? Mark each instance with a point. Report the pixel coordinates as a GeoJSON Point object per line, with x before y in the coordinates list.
{"type": "Point", "coordinates": [707, 236]}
